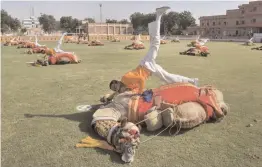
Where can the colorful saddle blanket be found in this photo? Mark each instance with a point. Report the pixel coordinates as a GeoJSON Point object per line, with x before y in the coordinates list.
{"type": "Point", "coordinates": [176, 94]}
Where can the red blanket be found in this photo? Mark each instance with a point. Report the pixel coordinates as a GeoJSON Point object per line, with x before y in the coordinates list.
{"type": "Point", "coordinates": [176, 94]}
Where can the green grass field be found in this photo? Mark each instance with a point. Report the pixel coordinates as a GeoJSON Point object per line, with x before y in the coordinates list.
{"type": "Point", "coordinates": [53, 92]}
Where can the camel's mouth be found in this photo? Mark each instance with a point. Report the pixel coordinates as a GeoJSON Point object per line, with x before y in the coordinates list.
{"type": "Point", "coordinates": [129, 153]}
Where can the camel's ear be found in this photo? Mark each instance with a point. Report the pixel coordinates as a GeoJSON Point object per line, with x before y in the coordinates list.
{"type": "Point", "coordinates": [123, 122]}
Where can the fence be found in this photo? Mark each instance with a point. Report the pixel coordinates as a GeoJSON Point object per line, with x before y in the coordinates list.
{"type": "Point", "coordinates": [257, 38]}
{"type": "Point", "coordinates": [91, 37]}
{"type": "Point", "coordinates": [126, 37]}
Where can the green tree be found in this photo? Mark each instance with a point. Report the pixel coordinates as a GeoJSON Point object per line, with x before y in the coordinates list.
{"type": "Point", "coordinates": [90, 20]}
{"type": "Point", "coordinates": [140, 21]}
{"type": "Point", "coordinates": [48, 22]}
{"type": "Point", "coordinates": [186, 19]}
{"type": "Point", "coordinates": [69, 24]}
{"type": "Point", "coordinates": [173, 22]}
{"type": "Point", "coordinates": [4, 28]}
{"type": "Point", "coordinates": [57, 25]}
{"type": "Point", "coordinates": [124, 21]}
{"type": "Point", "coordinates": [137, 19]}
{"type": "Point", "coordinates": [15, 24]}
{"type": "Point", "coordinates": [111, 21]}
{"type": "Point", "coordinates": [8, 23]}
{"type": "Point", "coordinates": [65, 23]}
{"type": "Point", "coordinates": [23, 30]}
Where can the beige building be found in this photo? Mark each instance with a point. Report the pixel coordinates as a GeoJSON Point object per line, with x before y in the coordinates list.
{"type": "Point", "coordinates": [241, 22]}
{"type": "Point", "coordinates": [106, 29]}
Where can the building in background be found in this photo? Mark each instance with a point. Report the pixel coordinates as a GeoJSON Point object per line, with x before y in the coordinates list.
{"type": "Point", "coordinates": [241, 22]}
{"type": "Point", "coordinates": [32, 24]}
{"type": "Point", "coordinates": [107, 29]}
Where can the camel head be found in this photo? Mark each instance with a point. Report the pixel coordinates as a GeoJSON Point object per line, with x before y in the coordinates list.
{"type": "Point", "coordinates": [129, 139]}
{"type": "Point", "coordinates": [220, 99]}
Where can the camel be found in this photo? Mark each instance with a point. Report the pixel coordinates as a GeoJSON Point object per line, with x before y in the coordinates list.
{"type": "Point", "coordinates": [12, 42]}
{"type": "Point", "coordinates": [163, 40]}
{"type": "Point", "coordinates": [257, 48]}
{"type": "Point", "coordinates": [136, 45]}
{"type": "Point", "coordinates": [249, 42]}
{"type": "Point", "coordinates": [180, 105]}
{"type": "Point", "coordinates": [176, 40]}
{"type": "Point", "coordinates": [198, 50]}
{"type": "Point", "coordinates": [95, 43]}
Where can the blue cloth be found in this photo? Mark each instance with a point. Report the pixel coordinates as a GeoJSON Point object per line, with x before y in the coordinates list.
{"type": "Point", "coordinates": [147, 95]}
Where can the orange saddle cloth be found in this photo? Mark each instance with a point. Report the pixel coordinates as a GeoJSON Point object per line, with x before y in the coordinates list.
{"type": "Point", "coordinates": [176, 94]}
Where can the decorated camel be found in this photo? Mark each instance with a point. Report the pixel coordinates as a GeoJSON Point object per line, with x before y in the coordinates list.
{"type": "Point", "coordinates": [198, 50]}
{"type": "Point", "coordinates": [249, 42]}
{"type": "Point", "coordinates": [137, 44]}
{"type": "Point", "coordinates": [198, 41]}
{"type": "Point", "coordinates": [257, 48]}
{"type": "Point", "coordinates": [163, 40]}
{"type": "Point", "coordinates": [37, 48]}
{"type": "Point", "coordinates": [27, 44]}
{"type": "Point", "coordinates": [95, 43]}
{"type": "Point", "coordinates": [53, 58]}
{"type": "Point", "coordinates": [176, 40]}
{"type": "Point", "coordinates": [71, 39]}
{"type": "Point", "coordinates": [180, 105]}
{"type": "Point", "coordinates": [194, 42]}
{"type": "Point", "coordinates": [12, 42]}
{"type": "Point", "coordinates": [56, 55]}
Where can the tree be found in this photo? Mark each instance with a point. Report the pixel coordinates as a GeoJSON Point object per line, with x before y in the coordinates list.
{"type": "Point", "coordinates": [90, 20]}
{"type": "Point", "coordinates": [123, 21]}
{"type": "Point", "coordinates": [65, 23]}
{"type": "Point", "coordinates": [173, 22]}
{"type": "Point", "coordinates": [8, 23]}
{"type": "Point", "coordinates": [4, 28]}
{"type": "Point", "coordinates": [69, 24]}
{"type": "Point", "coordinates": [111, 21]}
{"type": "Point", "coordinates": [186, 19]}
{"type": "Point", "coordinates": [137, 19]}
{"type": "Point", "coordinates": [15, 24]}
{"type": "Point", "coordinates": [23, 30]}
{"type": "Point", "coordinates": [140, 21]}
{"type": "Point", "coordinates": [169, 22]}
{"type": "Point", "coordinates": [48, 22]}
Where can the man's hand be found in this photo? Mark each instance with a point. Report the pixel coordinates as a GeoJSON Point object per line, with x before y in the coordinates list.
{"type": "Point", "coordinates": [103, 99]}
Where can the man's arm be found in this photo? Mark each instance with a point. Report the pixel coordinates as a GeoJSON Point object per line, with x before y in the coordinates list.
{"type": "Point", "coordinates": [108, 97]}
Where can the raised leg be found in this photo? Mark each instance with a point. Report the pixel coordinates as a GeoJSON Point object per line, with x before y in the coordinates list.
{"type": "Point", "coordinates": [154, 32]}
{"type": "Point", "coordinates": [149, 60]}
{"type": "Point", "coordinates": [58, 49]}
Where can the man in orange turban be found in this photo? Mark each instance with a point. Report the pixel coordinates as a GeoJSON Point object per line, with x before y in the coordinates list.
{"type": "Point", "coordinates": [135, 80]}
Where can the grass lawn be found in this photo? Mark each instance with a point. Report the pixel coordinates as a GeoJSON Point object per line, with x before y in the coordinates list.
{"type": "Point", "coordinates": [53, 92]}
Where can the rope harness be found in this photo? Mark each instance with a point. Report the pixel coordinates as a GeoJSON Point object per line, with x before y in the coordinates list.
{"type": "Point", "coordinates": [148, 95]}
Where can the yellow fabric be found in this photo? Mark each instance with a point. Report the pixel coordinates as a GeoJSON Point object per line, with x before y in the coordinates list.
{"type": "Point", "coordinates": [90, 142]}
{"type": "Point", "coordinates": [135, 79]}
{"type": "Point", "coordinates": [50, 52]}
